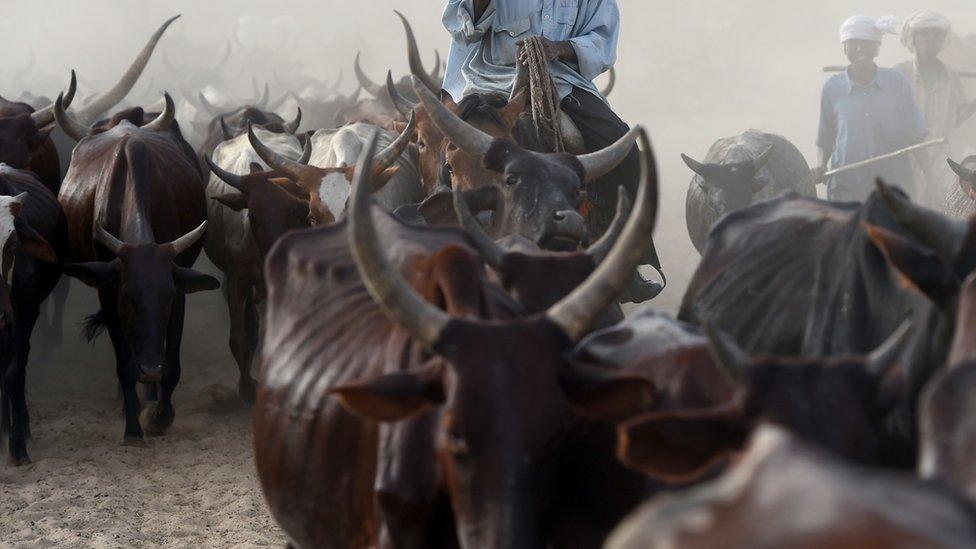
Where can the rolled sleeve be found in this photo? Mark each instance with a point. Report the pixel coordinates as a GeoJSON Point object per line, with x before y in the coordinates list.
{"type": "Point", "coordinates": [459, 20]}
{"type": "Point", "coordinates": [596, 43]}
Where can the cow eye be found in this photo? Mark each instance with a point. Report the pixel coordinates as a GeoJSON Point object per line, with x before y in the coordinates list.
{"type": "Point", "coordinates": [458, 447]}
{"type": "Point", "coordinates": [513, 180]}
{"type": "Point", "coordinates": [421, 145]}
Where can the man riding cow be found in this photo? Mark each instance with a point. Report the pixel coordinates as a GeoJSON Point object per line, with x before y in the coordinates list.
{"type": "Point", "coordinates": [580, 41]}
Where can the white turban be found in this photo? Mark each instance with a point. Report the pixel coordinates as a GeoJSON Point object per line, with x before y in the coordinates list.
{"type": "Point", "coordinates": [862, 27]}
{"type": "Point", "coordinates": [922, 20]}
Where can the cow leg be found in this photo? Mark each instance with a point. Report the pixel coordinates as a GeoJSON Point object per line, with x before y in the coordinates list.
{"type": "Point", "coordinates": [241, 345]}
{"type": "Point", "coordinates": [59, 297]}
{"type": "Point", "coordinates": [15, 381]}
{"type": "Point", "coordinates": [151, 392]}
{"type": "Point", "coordinates": [4, 409]}
{"type": "Point", "coordinates": [127, 378]}
{"type": "Point", "coordinates": [160, 415]}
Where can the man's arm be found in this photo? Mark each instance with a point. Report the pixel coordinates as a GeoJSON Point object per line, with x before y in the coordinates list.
{"type": "Point", "coordinates": [823, 160]}
{"type": "Point", "coordinates": [561, 51]}
{"type": "Point", "coordinates": [468, 20]}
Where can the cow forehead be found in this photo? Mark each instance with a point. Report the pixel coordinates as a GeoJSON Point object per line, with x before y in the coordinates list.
{"type": "Point", "coordinates": [334, 190]}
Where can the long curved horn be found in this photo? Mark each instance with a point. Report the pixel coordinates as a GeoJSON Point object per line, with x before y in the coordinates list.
{"type": "Point", "coordinates": [964, 173]}
{"type": "Point", "coordinates": [306, 152]}
{"type": "Point", "coordinates": [402, 105]}
{"type": "Point", "coordinates": [232, 179]}
{"type": "Point", "coordinates": [492, 253]}
{"type": "Point", "coordinates": [728, 356]}
{"type": "Point", "coordinates": [695, 166]}
{"type": "Point", "coordinates": [72, 128]}
{"type": "Point", "coordinates": [388, 156]}
{"type": "Point", "coordinates": [610, 84]}
{"type": "Point", "coordinates": [109, 99]}
{"type": "Point", "coordinates": [435, 74]}
{"type": "Point", "coordinates": [413, 55]}
{"type": "Point", "coordinates": [334, 88]}
{"type": "Point", "coordinates": [600, 249]}
{"type": "Point", "coordinates": [45, 116]}
{"type": "Point", "coordinates": [941, 233]}
{"type": "Point", "coordinates": [279, 162]}
{"type": "Point", "coordinates": [600, 163]}
{"type": "Point", "coordinates": [106, 239]}
{"type": "Point", "coordinates": [211, 109]}
{"type": "Point", "coordinates": [577, 312]}
{"type": "Point", "coordinates": [292, 126]}
{"type": "Point", "coordinates": [373, 88]}
{"type": "Point", "coordinates": [880, 360]}
{"type": "Point", "coordinates": [465, 136]}
{"type": "Point", "coordinates": [225, 130]}
{"type": "Point", "coordinates": [396, 298]}
{"type": "Point", "coordinates": [186, 241]}
{"type": "Point", "coordinates": [165, 119]}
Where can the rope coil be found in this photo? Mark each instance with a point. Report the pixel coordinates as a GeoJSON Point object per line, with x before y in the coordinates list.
{"type": "Point", "coordinates": [545, 98]}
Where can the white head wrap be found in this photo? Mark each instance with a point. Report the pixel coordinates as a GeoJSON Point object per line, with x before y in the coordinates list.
{"type": "Point", "coordinates": [922, 20]}
{"type": "Point", "coordinates": [862, 27]}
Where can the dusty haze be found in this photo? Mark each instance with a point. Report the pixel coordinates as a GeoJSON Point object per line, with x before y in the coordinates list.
{"type": "Point", "coordinates": [691, 71]}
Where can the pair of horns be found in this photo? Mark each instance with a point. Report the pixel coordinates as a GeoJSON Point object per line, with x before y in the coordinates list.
{"type": "Point", "coordinates": [574, 314]}
{"type": "Point", "coordinates": [237, 181]}
{"type": "Point", "coordinates": [477, 143]}
{"type": "Point", "coordinates": [179, 245]}
{"type": "Point", "coordinates": [78, 131]}
{"type": "Point", "coordinates": [294, 169]}
{"type": "Point", "coordinates": [45, 116]}
{"type": "Point", "coordinates": [290, 127]}
{"type": "Point", "coordinates": [431, 80]}
{"type": "Point", "coordinates": [709, 170]}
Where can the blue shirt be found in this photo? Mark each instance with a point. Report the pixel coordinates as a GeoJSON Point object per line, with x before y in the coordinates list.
{"type": "Point", "coordinates": [483, 52]}
{"type": "Point", "coordinates": [861, 122]}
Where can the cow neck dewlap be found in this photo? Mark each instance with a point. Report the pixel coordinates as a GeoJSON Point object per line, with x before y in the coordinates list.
{"type": "Point", "coordinates": [334, 192]}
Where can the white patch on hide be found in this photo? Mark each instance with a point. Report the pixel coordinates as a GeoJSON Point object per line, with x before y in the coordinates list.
{"type": "Point", "coordinates": [334, 192]}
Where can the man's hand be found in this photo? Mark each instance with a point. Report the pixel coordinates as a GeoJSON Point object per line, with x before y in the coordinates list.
{"type": "Point", "coordinates": [818, 175]}
{"type": "Point", "coordinates": [561, 51]}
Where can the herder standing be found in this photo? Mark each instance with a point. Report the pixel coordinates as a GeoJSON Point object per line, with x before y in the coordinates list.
{"type": "Point", "coordinates": [580, 38]}
{"type": "Point", "coordinates": [866, 111]}
{"type": "Point", "coordinates": [938, 91]}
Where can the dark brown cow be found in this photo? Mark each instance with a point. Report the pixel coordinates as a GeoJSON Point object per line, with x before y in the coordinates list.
{"type": "Point", "coordinates": [34, 239]}
{"type": "Point", "coordinates": [839, 403]}
{"type": "Point", "coordinates": [785, 492]}
{"type": "Point", "coordinates": [128, 188]}
{"type": "Point", "coordinates": [500, 419]}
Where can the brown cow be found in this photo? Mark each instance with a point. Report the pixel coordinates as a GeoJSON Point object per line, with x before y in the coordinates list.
{"type": "Point", "coordinates": [33, 239]}
{"type": "Point", "coordinates": [127, 189]}
{"type": "Point", "coordinates": [785, 492]}
{"type": "Point", "coordinates": [837, 402]}
{"type": "Point", "coordinates": [529, 436]}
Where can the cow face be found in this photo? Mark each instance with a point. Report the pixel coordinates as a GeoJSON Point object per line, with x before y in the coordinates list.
{"type": "Point", "coordinates": [838, 403]}
{"type": "Point", "coordinates": [272, 210]}
{"type": "Point", "coordinates": [506, 394]}
{"type": "Point", "coordinates": [19, 137]}
{"type": "Point", "coordinates": [144, 281]}
{"type": "Point", "coordinates": [16, 238]}
{"type": "Point", "coordinates": [732, 184]}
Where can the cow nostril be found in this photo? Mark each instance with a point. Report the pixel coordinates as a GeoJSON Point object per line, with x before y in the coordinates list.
{"type": "Point", "coordinates": [559, 216]}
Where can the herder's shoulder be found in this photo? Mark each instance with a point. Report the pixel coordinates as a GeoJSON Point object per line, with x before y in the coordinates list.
{"type": "Point", "coordinates": [835, 83]}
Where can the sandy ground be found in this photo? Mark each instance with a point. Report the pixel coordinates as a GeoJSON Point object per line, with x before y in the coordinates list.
{"type": "Point", "coordinates": [194, 487]}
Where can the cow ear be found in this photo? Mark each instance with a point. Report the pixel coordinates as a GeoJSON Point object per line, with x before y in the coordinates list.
{"type": "Point", "coordinates": [234, 201]}
{"type": "Point", "coordinates": [393, 397]}
{"type": "Point", "coordinates": [256, 168]}
{"type": "Point", "coordinates": [189, 281]}
{"type": "Point", "coordinates": [514, 108]}
{"type": "Point", "coordinates": [919, 267]}
{"type": "Point", "coordinates": [498, 155]}
{"type": "Point", "coordinates": [96, 274]}
{"type": "Point", "coordinates": [605, 393]}
{"type": "Point", "coordinates": [33, 243]}
{"type": "Point", "coordinates": [290, 186]}
{"type": "Point", "coordinates": [679, 447]}
{"type": "Point", "coordinates": [40, 136]}
{"type": "Point", "coordinates": [384, 177]}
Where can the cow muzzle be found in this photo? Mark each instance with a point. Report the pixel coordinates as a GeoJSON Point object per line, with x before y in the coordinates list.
{"type": "Point", "coordinates": [565, 230]}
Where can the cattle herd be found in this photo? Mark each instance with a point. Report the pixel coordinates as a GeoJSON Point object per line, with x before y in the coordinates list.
{"type": "Point", "coordinates": [439, 355]}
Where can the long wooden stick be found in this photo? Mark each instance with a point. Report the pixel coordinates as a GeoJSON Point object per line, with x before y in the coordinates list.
{"type": "Point", "coordinates": [883, 157]}
{"type": "Point", "coordinates": [839, 68]}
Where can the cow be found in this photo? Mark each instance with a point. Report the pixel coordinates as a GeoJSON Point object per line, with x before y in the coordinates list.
{"type": "Point", "coordinates": [246, 213]}
{"type": "Point", "coordinates": [738, 171]}
{"type": "Point", "coordinates": [539, 193]}
{"type": "Point", "coordinates": [958, 202]}
{"type": "Point", "coordinates": [325, 181]}
{"type": "Point", "coordinates": [136, 214]}
{"type": "Point", "coordinates": [839, 403]}
{"type": "Point", "coordinates": [478, 412]}
{"type": "Point", "coordinates": [785, 492]}
{"type": "Point", "coordinates": [34, 241]}
{"type": "Point", "coordinates": [798, 276]}
{"type": "Point", "coordinates": [230, 124]}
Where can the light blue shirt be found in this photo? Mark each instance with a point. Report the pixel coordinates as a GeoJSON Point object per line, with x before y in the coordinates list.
{"type": "Point", "coordinates": [483, 53]}
{"type": "Point", "coordinates": [861, 122]}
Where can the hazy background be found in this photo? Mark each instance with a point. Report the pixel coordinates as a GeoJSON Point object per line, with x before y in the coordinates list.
{"type": "Point", "coordinates": [691, 71]}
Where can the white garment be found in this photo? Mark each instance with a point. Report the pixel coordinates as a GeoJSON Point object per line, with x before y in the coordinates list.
{"type": "Point", "coordinates": [862, 27]}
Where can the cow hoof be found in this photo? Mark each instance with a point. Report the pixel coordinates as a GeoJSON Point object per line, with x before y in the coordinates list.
{"type": "Point", "coordinates": [134, 442]}
{"type": "Point", "coordinates": [18, 461]}
{"type": "Point", "coordinates": [248, 391]}
{"type": "Point", "coordinates": [157, 419]}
